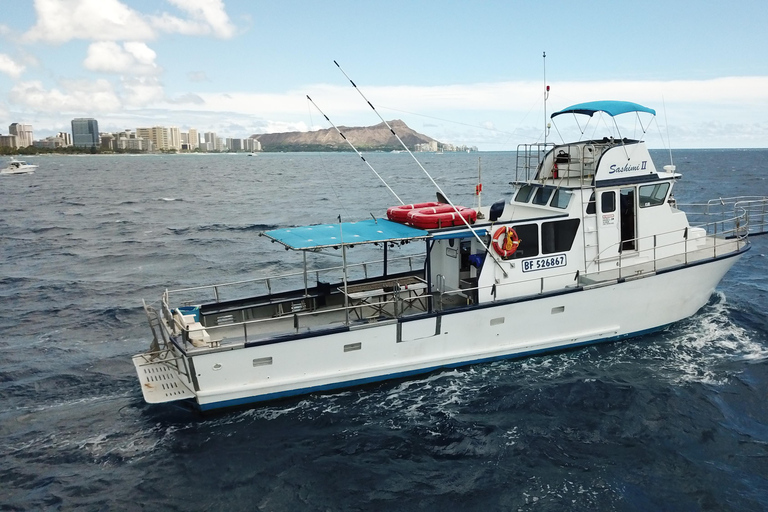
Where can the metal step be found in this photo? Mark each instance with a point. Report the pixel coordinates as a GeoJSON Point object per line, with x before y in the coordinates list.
{"type": "Point", "coordinates": [160, 378]}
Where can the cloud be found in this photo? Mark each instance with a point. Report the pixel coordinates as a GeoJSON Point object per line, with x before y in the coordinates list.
{"type": "Point", "coordinates": [132, 57]}
{"type": "Point", "coordinates": [197, 76]}
{"type": "Point", "coordinates": [188, 98]}
{"type": "Point", "coordinates": [77, 96]}
{"type": "Point", "coordinates": [59, 21]}
{"type": "Point", "coordinates": [10, 66]}
{"type": "Point", "coordinates": [142, 91]}
{"type": "Point", "coordinates": [205, 17]}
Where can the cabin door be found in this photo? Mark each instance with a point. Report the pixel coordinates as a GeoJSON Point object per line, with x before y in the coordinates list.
{"type": "Point", "coordinates": [627, 205]}
{"type": "Point", "coordinates": [608, 226]}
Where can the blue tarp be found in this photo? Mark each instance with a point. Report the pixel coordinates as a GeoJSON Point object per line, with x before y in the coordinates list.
{"type": "Point", "coordinates": [612, 108]}
{"type": "Point", "coordinates": [331, 235]}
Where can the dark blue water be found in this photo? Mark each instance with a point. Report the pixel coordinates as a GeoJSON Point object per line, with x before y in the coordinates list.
{"type": "Point", "coordinates": [673, 421]}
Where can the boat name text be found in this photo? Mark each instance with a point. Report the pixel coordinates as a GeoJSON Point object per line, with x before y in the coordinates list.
{"type": "Point", "coordinates": [628, 168]}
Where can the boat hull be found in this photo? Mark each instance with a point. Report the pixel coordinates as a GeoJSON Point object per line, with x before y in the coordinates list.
{"type": "Point", "coordinates": [275, 368]}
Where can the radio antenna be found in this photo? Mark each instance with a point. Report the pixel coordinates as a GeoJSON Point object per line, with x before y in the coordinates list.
{"type": "Point", "coordinates": [356, 151]}
{"type": "Point", "coordinates": [546, 97]}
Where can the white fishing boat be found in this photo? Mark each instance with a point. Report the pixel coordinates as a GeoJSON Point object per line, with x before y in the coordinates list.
{"type": "Point", "coordinates": [18, 167]}
{"type": "Point", "coordinates": [590, 248]}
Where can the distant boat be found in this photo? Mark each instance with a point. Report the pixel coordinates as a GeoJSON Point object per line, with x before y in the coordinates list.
{"type": "Point", "coordinates": [18, 167]}
{"type": "Point", "coordinates": [253, 154]}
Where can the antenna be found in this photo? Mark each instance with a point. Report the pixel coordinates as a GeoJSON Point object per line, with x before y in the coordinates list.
{"type": "Point", "coordinates": [546, 97]}
{"type": "Point", "coordinates": [356, 151]}
{"type": "Point", "coordinates": [466, 223]}
{"type": "Point", "coordinates": [669, 141]}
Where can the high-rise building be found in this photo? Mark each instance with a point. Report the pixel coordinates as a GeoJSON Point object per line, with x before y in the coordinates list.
{"type": "Point", "coordinates": [85, 132]}
{"type": "Point", "coordinates": [235, 144]}
{"type": "Point", "coordinates": [174, 138]}
{"type": "Point", "coordinates": [9, 141]}
{"type": "Point", "coordinates": [193, 139]}
{"type": "Point", "coordinates": [23, 132]}
{"type": "Point", "coordinates": [159, 135]}
{"type": "Point", "coordinates": [252, 144]}
{"type": "Point", "coordinates": [66, 137]}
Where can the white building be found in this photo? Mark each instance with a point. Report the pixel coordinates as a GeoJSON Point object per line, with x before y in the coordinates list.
{"type": "Point", "coordinates": [174, 138]}
{"type": "Point", "coordinates": [23, 132]}
{"type": "Point", "coordinates": [9, 141]}
{"type": "Point", "coordinates": [193, 139]}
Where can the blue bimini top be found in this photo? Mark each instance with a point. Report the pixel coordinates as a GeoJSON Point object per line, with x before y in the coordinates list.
{"type": "Point", "coordinates": [610, 107]}
{"type": "Point", "coordinates": [350, 233]}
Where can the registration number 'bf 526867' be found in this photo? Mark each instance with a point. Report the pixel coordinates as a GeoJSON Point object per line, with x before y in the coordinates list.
{"type": "Point", "coordinates": [555, 261]}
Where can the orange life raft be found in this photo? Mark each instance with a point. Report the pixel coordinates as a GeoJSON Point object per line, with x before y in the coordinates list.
{"type": "Point", "coordinates": [400, 212]}
{"type": "Point", "coordinates": [441, 216]}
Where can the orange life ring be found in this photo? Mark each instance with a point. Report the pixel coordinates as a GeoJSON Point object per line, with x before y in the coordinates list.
{"type": "Point", "coordinates": [505, 242]}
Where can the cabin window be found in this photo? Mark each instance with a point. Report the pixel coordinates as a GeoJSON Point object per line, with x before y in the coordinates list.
{"type": "Point", "coordinates": [529, 241]}
{"type": "Point", "coordinates": [558, 236]}
{"type": "Point", "coordinates": [561, 198]}
{"type": "Point", "coordinates": [542, 196]}
{"type": "Point", "coordinates": [608, 202]}
{"type": "Point", "coordinates": [524, 194]}
{"type": "Point", "coordinates": [653, 195]}
{"type": "Point", "coordinates": [591, 205]}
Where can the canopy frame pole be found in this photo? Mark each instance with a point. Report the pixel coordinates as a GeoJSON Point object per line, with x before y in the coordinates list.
{"type": "Point", "coordinates": [344, 272]}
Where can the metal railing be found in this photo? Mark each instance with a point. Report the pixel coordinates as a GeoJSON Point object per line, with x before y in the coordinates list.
{"type": "Point", "coordinates": [289, 281]}
{"type": "Point", "coordinates": [754, 208]}
{"type": "Point", "coordinates": [722, 236]}
{"type": "Point", "coordinates": [242, 332]}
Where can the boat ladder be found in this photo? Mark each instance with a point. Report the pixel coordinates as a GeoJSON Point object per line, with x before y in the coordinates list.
{"type": "Point", "coordinates": [160, 371]}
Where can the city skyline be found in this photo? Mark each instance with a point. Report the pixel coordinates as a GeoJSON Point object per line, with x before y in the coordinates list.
{"type": "Point", "coordinates": [245, 68]}
{"type": "Point", "coordinates": [85, 134]}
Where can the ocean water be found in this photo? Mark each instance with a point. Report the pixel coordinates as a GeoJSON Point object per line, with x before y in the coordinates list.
{"type": "Point", "coordinates": [677, 420]}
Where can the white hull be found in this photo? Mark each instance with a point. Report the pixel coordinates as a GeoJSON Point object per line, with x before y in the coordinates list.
{"type": "Point", "coordinates": [477, 334]}
{"type": "Point", "coordinates": [25, 170]}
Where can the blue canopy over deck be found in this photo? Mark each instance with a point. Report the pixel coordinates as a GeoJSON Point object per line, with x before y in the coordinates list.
{"type": "Point", "coordinates": [610, 107]}
{"type": "Point", "coordinates": [350, 233]}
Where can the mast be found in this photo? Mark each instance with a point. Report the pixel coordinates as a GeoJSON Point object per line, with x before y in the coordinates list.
{"type": "Point", "coordinates": [546, 97]}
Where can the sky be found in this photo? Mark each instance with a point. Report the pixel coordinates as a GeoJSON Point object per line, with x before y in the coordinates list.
{"type": "Point", "coordinates": [464, 73]}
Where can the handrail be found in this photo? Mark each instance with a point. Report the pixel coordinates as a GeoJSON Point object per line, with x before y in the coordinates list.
{"type": "Point", "coordinates": [268, 280]}
{"type": "Point", "coordinates": [212, 330]}
{"type": "Point", "coordinates": [756, 208]}
{"type": "Point", "coordinates": [739, 230]}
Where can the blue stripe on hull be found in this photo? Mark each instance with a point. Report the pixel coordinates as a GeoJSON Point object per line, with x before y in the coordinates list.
{"type": "Point", "coordinates": [399, 375]}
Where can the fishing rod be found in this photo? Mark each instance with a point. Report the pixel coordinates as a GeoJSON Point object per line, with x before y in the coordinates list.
{"type": "Point", "coordinates": [356, 151]}
{"type": "Point", "coordinates": [443, 194]}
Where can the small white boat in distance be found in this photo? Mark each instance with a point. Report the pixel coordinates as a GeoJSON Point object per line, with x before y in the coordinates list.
{"type": "Point", "coordinates": [591, 247]}
{"type": "Point", "coordinates": [18, 167]}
